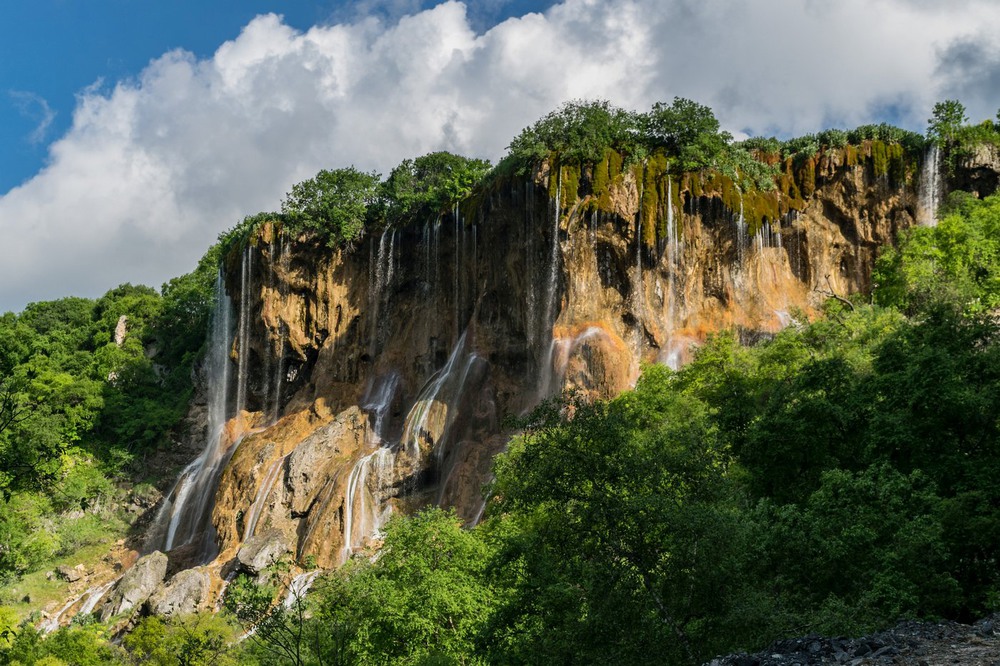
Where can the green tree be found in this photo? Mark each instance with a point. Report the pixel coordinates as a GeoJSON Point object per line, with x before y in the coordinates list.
{"type": "Point", "coordinates": [429, 185]}
{"type": "Point", "coordinates": [423, 601]}
{"type": "Point", "coordinates": [947, 118]}
{"type": "Point", "coordinates": [619, 539]}
{"type": "Point", "coordinates": [688, 131]}
{"type": "Point", "coordinates": [333, 204]}
{"type": "Point", "coordinates": [579, 131]}
{"type": "Point", "coordinates": [194, 640]}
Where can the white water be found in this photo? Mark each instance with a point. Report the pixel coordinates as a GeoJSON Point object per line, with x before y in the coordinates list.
{"type": "Point", "coordinates": [557, 360]}
{"type": "Point", "coordinates": [263, 492]}
{"type": "Point", "coordinates": [298, 587]}
{"type": "Point", "coordinates": [930, 188]}
{"type": "Point", "coordinates": [88, 602]}
{"type": "Point", "coordinates": [365, 508]}
{"type": "Point", "coordinates": [244, 330]}
{"type": "Point", "coordinates": [417, 421]}
{"type": "Point", "coordinates": [552, 285]}
{"type": "Point", "coordinates": [639, 293]}
{"type": "Point", "coordinates": [186, 510]}
{"type": "Point", "coordinates": [279, 370]}
{"type": "Point", "coordinates": [672, 357]}
{"type": "Point", "coordinates": [741, 232]}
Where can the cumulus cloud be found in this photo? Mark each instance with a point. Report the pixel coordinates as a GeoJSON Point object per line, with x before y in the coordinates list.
{"type": "Point", "coordinates": [154, 168]}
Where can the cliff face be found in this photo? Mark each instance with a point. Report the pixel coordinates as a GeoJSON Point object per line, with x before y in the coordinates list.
{"type": "Point", "coordinates": [379, 378]}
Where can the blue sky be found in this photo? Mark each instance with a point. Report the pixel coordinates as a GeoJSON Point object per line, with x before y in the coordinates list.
{"type": "Point", "coordinates": [133, 132]}
{"type": "Point", "coordinates": [53, 49]}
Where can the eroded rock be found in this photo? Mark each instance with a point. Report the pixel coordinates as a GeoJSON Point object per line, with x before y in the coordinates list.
{"type": "Point", "coordinates": [187, 592]}
{"type": "Point", "coordinates": [261, 551]}
{"type": "Point", "coordinates": [135, 586]}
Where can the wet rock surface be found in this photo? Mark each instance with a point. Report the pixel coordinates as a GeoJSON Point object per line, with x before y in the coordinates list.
{"type": "Point", "coordinates": [909, 642]}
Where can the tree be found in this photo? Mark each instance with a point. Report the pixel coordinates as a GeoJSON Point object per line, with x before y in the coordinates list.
{"type": "Point", "coordinates": [947, 118]}
{"type": "Point", "coordinates": [429, 185]}
{"type": "Point", "coordinates": [687, 130]}
{"type": "Point", "coordinates": [333, 204]}
{"type": "Point", "coordinates": [579, 131]}
{"type": "Point", "coordinates": [617, 538]}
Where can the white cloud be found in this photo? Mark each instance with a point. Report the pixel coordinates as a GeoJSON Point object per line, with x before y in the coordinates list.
{"type": "Point", "coordinates": [152, 170]}
{"type": "Point", "coordinates": [34, 107]}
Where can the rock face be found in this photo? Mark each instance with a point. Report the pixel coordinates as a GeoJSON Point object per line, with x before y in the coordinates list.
{"type": "Point", "coordinates": [261, 551]}
{"type": "Point", "coordinates": [377, 379]}
{"type": "Point", "coordinates": [135, 586]}
{"type": "Point", "coordinates": [908, 643]}
{"type": "Point", "coordinates": [186, 592]}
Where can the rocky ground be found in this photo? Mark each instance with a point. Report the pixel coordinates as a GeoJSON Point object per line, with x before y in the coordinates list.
{"type": "Point", "coordinates": [916, 643]}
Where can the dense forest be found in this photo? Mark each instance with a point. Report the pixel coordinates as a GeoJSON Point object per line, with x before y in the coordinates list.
{"type": "Point", "coordinates": [834, 477]}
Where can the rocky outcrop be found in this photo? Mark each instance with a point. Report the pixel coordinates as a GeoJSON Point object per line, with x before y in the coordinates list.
{"type": "Point", "coordinates": [261, 551]}
{"type": "Point", "coordinates": [919, 643]}
{"type": "Point", "coordinates": [379, 378]}
{"type": "Point", "coordinates": [978, 170]}
{"type": "Point", "coordinates": [187, 592]}
{"type": "Point", "coordinates": [135, 586]}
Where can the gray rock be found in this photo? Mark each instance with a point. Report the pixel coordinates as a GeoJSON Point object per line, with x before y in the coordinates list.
{"type": "Point", "coordinates": [261, 551]}
{"type": "Point", "coordinates": [308, 463]}
{"type": "Point", "coordinates": [187, 592]}
{"type": "Point", "coordinates": [68, 573]}
{"type": "Point", "coordinates": [135, 585]}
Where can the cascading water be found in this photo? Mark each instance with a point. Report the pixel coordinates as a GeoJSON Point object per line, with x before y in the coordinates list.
{"type": "Point", "coordinates": [741, 233]}
{"type": "Point", "coordinates": [930, 187]}
{"type": "Point", "coordinates": [365, 510]}
{"type": "Point", "coordinates": [423, 409]}
{"type": "Point", "coordinates": [186, 511]}
{"type": "Point", "coordinates": [672, 358]}
{"type": "Point", "coordinates": [557, 360]}
{"type": "Point", "coordinates": [298, 587]}
{"type": "Point", "coordinates": [263, 492]}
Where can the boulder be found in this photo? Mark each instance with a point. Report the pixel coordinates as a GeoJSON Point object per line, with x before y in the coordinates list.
{"type": "Point", "coordinates": [135, 586]}
{"type": "Point", "coordinates": [261, 551]}
{"type": "Point", "coordinates": [68, 573]}
{"type": "Point", "coordinates": [185, 593]}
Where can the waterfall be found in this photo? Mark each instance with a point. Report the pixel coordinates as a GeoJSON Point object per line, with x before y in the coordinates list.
{"type": "Point", "coordinates": [930, 188]}
{"type": "Point", "coordinates": [365, 508]}
{"type": "Point", "coordinates": [673, 265]}
{"type": "Point", "coordinates": [741, 232]}
{"type": "Point", "coordinates": [298, 587]}
{"type": "Point", "coordinates": [552, 286]}
{"type": "Point", "coordinates": [88, 602]}
{"type": "Point", "coordinates": [380, 402]}
{"type": "Point", "coordinates": [423, 410]}
{"type": "Point", "coordinates": [244, 330]}
{"type": "Point", "coordinates": [639, 292]}
{"type": "Point", "coordinates": [263, 492]}
{"type": "Point", "coordinates": [187, 509]}
{"type": "Point", "coordinates": [557, 361]}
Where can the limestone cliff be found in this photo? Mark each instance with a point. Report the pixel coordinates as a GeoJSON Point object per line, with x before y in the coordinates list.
{"type": "Point", "coordinates": [380, 376]}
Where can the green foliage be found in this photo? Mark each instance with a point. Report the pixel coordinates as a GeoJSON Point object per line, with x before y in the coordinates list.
{"type": "Point", "coordinates": [194, 640]}
{"type": "Point", "coordinates": [68, 646]}
{"type": "Point", "coordinates": [687, 130]}
{"type": "Point", "coordinates": [333, 205]}
{"type": "Point", "coordinates": [957, 261]}
{"type": "Point", "coordinates": [425, 187]}
{"type": "Point", "coordinates": [946, 119]}
{"type": "Point", "coordinates": [579, 131]}
{"type": "Point", "coordinates": [618, 538]}
{"type": "Point", "coordinates": [423, 601]}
